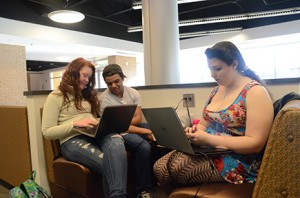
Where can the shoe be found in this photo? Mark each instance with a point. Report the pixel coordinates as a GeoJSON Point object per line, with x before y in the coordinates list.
{"type": "Point", "coordinates": [144, 194]}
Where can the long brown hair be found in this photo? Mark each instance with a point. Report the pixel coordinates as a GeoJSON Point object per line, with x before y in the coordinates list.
{"type": "Point", "coordinates": [228, 52]}
{"type": "Point", "coordinates": [70, 85]}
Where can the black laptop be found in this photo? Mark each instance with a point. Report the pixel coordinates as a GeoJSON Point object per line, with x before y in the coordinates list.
{"type": "Point", "coordinates": [115, 119]}
{"type": "Point", "coordinates": [168, 131]}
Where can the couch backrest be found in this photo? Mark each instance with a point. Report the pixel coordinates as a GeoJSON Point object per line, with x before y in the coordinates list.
{"type": "Point", "coordinates": [51, 151]}
{"type": "Point", "coordinates": [279, 171]}
{"type": "Point", "coordinates": [15, 153]}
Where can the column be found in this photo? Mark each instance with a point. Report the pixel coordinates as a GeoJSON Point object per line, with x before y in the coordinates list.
{"type": "Point", "coordinates": [161, 42]}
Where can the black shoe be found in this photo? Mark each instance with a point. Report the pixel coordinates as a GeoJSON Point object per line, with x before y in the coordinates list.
{"type": "Point", "coordinates": [144, 194]}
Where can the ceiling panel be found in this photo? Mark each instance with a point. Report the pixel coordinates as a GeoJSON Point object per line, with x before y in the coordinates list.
{"type": "Point", "coordinates": [112, 18]}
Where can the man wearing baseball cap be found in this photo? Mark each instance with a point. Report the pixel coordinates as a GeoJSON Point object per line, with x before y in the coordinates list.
{"type": "Point", "coordinates": [137, 135]}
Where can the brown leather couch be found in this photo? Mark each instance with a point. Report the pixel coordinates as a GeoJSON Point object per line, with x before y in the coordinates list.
{"type": "Point", "coordinates": [72, 180]}
{"type": "Point", "coordinates": [279, 172]}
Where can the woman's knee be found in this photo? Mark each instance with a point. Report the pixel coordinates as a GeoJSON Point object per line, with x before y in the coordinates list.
{"type": "Point", "coordinates": [117, 138]}
{"type": "Point", "coordinates": [117, 143]}
{"type": "Point", "coordinates": [161, 164]}
{"type": "Point", "coordinates": [113, 140]}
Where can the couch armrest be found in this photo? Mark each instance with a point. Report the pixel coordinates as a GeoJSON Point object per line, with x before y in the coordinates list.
{"type": "Point", "coordinates": [279, 171]}
{"type": "Point", "coordinates": [75, 177]}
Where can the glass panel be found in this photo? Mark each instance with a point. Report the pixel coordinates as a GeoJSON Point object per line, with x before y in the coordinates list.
{"type": "Point", "coordinates": [263, 63]}
{"type": "Point", "coordinates": [193, 66]}
{"type": "Point", "coordinates": [56, 74]}
{"type": "Point", "coordinates": [56, 82]}
{"type": "Point", "coordinates": [55, 78]}
{"type": "Point", "coordinates": [287, 60]}
{"type": "Point", "coordinates": [97, 78]}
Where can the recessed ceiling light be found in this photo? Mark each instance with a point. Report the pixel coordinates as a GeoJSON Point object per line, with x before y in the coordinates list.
{"type": "Point", "coordinates": [66, 16]}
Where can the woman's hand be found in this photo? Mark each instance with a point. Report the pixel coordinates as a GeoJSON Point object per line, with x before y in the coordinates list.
{"type": "Point", "coordinates": [86, 123]}
{"type": "Point", "coordinates": [191, 129]}
{"type": "Point", "coordinates": [196, 136]}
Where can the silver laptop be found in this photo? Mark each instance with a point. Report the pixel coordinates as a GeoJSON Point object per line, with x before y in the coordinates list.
{"type": "Point", "coordinates": [115, 119]}
{"type": "Point", "coordinates": [168, 132]}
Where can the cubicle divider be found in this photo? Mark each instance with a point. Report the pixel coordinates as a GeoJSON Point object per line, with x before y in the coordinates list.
{"type": "Point", "coordinates": [15, 154]}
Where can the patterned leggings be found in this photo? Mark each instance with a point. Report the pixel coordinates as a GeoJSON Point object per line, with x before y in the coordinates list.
{"type": "Point", "coordinates": [180, 169]}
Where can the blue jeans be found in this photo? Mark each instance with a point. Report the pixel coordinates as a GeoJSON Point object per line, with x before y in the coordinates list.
{"type": "Point", "coordinates": [142, 160]}
{"type": "Point", "coordinates": [106, 156]}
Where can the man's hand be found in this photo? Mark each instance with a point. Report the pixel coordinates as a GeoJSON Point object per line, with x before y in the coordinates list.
{"type": "Point", "coordinates": [150, 137]}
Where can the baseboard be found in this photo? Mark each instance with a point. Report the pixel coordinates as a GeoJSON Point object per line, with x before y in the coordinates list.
{"type": "Point", "coordinates": [6, 185]}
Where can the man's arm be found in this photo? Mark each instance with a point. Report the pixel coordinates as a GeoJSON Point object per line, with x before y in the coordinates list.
{"type": "Point", "coordinates": [136, 120]}
{"type": "Point", "coordinates": [137, 117]}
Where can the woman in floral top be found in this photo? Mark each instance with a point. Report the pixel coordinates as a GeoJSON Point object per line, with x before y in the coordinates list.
{"type": "Point", "coordinates": [237, 116]}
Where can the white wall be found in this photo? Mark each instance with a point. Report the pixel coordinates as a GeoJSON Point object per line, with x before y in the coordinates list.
{"type": "Point", "coordinates": [13, 76]}
{"type": "Point", "coordinates": [171, 97]}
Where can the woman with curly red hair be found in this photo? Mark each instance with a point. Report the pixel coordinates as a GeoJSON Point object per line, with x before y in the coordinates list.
{"type": "Point", "coordinates": [75, 104]}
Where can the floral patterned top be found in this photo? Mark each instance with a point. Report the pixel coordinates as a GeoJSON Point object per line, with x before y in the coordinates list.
{"type": "Point", "coordinates": [231, 121]}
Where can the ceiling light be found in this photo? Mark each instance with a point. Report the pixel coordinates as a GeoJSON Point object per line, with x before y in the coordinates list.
{"type": "Point", "coordinates": [66, 16]}
{"type": "Point", "coordinates": [240, 17]}
{"type": "Point", "coordinates": [188, 1]}
{"type": "Point", "coordinates": [246, 16]}
{"type": "Point", "coordinates": [138, 4]}
{"type": "Point", "coordinates": [135, 29]}
{"type": "Point", "coordinates": [210, 32]}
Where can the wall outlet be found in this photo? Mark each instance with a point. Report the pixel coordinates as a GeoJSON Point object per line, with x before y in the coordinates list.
{"type": "Point", "coordinates": [188, 100]}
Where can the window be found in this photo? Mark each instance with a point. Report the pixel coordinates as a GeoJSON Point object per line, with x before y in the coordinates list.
{"type": "Point", "coordinates": [55, 78]}
{"type": "Point", "coordinates": [271, 58]}
{"type": "Point", "coordinates": [287, 60]}
{"type": "Point", "coordinates": [99, 64]}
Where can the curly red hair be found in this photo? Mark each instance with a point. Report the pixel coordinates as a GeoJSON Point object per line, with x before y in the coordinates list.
{"type": "Point", "coordinates": [70, 85]}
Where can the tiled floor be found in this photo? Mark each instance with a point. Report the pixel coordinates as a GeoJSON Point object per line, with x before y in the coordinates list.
{"type": "Point", "coordinates": [3, 192]}
{"type": "Point", "coordinates": [157, 192]}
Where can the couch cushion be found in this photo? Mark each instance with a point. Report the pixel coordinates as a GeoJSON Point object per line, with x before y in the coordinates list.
{"type": "Point", "coordinates": [224, 190]}
{"type": "Point", "coordinates": [279, 171]}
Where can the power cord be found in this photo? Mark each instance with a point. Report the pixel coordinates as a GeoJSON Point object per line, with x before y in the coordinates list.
{"type": "Point", "coordinates": [179, 103]}
{"type": "Point", "coordinates": [212, 167]}
{"type": "Point", "coordinates": [188, 111]}
{"type": "Point", "coordinates": [187, 107]}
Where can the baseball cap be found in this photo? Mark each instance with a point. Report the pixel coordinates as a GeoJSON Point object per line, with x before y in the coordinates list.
{"type": "Point", "coordinates": [111, 70]}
